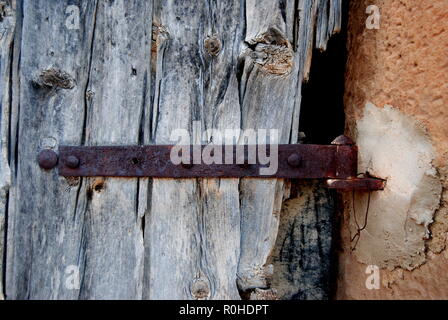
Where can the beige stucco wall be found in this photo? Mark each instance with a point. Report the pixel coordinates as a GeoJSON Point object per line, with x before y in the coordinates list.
{"type": "Point", "coordinates": [397, 98]}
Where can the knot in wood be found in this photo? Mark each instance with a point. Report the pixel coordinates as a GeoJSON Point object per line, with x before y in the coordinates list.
{"type": "Point", "coordinates": [159, 35]}
{"type": "Point", "coordinates": [4, 10]}
{"type": "Point", "coordinates": [98, 184]}
{"type": "Point", "coordinates": [273, 52]}
{"type": "Point", "coordinates": [200, 289]}
{"type": "Point", "coordinates": [55, 78]}
{"type": "Point", "coordinates": [212, 45]}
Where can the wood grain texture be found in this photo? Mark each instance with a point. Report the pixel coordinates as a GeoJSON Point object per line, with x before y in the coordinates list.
{"type": "Point", "coordinates": [192, 234]}
{"type": "Point", "coordinates": [132, 73]}
{"type": "Point", "coordinates": [78, 223]}
{"type": "Point", "coordinates": [43, 233]}
{"type": "Point", "coordinates": [270, 102]}
{"type": "Point", "coordinates": [7, 28]}
{"type": "Point", "coordinates": [118, 88]}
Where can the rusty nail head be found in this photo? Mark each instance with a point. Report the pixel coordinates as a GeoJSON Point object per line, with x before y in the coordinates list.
{"type": "Point", "coordinates": [72, 162]}
{"type": "Point", "coordinates": [48, 159]}
{"type": "Point", "coordinates": [294, 160]}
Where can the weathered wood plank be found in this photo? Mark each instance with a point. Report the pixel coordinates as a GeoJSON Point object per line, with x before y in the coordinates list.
{"type": "Point", "coordinates": [192, 233]}
{"type": "Point", "coordinates": [43, 235]}
{"type": "Point", "coordinates": [171, 234]}
{"type": "Point", "coordinates": [263, 90]}
{"type": "Point", "coordinates": [7, 28]}
{"type": "Point", "coordinates": [117, 91]}
{"type": "Point", "coordinates": [91, 225]}
{"type": "Point", "coordinates": [328, 21]}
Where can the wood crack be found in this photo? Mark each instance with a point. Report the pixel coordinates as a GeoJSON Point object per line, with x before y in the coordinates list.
{"type": "Point", "coordinates": [87, 94]}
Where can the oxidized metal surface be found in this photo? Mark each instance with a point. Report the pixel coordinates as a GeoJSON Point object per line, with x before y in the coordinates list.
{"type": "Point", "coordinates": [299, 161]}
{"type": "Point", "coordinates": [47, 159]}
{"type": "Point", "coordinates": [364, 184]}
{"type": "Point", "coordinates": [71, 162]}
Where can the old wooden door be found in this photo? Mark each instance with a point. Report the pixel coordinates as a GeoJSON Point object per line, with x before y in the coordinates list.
{"type": "Point", "coordinates": [115, 72]}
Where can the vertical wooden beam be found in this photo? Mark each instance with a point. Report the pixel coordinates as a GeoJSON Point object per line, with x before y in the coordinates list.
{"type": "Point", "coordinates": [7, 28]}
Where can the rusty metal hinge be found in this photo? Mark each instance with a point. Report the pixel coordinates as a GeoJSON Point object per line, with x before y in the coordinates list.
{"type": "Point", "coordinates": [336, 163]}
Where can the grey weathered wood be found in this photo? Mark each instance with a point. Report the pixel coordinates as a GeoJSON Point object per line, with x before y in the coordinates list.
{"type": "Point", "coordinates": [132, 73]}
{"type": "Point", "coordinates": [77, 222]}
{"type": "Point", "coordinates": [328, 22]}
{"type": "Point", "coordinates": [118, 90]}
{"type": "Point", "coordinates": [44, 235]}
{"type": "Point", "coordinates": [270, 101]}
{"type": "Point", "coordinates": [7, 27]}
{"type": "Point", "coordinates": [192, 232]}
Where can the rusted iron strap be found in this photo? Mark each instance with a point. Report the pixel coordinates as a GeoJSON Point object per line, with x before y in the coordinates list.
{"type": "Point", "coordinates": [294, 161]}
{"type": "Point", "coordinates": [358, 184]}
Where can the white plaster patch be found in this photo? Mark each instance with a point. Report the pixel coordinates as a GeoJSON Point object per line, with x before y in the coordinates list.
{"type": "Point", "coordinates": [394, 146]}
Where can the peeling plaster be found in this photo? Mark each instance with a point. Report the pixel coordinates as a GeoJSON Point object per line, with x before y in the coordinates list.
{"type": "Point", "coordinates": [394, 146]}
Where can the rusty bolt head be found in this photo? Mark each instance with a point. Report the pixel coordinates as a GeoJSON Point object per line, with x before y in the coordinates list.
{"type": "Point", "coordinates": [343, 141]}
{"type": "Point", "coordinates": [72, 162]}
{"type": "Point", "coordinates": [294, 160]}
{"type": "Point", "coordinates": [212, 45]}
{"type": "Point", "coordinates": [48, 159]}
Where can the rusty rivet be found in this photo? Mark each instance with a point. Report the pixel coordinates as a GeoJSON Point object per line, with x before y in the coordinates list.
{"type": "Point", "coordinates": [48, 159]}
{"type": "Point", "coordinates": [294, 160]}
{"type": "Point", "coordinates": [72, 162]}
{"type": "Point", "coordinates": [212, 45]}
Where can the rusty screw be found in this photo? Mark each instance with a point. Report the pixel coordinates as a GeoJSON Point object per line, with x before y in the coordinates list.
{"type": "Point", "coordinates": [72, 162]}
{"type": "Point", "coordinates": [294, 160]}
{"type": "Point", "coordinates": [48, 159]}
